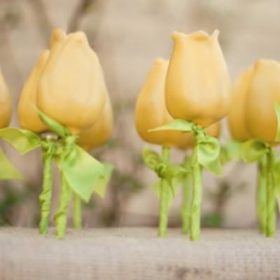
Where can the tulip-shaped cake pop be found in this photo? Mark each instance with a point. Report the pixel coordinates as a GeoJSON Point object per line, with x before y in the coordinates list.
{"type": "Point", "coordinates": [151, 112]}
{"type": "Point", "coordinates": [197, 95]}
{"type": "Point", "coordinates": [71, 88]}
{"type": "Point", "coordinates": [257, 92]}
{"type": "Point", "coordinates": [64, 95]}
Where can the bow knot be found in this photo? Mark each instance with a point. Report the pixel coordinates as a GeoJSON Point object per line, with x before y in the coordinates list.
{"type": "Point", "coordinates": [83, 173]}
{"type": "Point", "coordinates": [207, 149]}
{"type": "Point", "coordinates": [161, 169]}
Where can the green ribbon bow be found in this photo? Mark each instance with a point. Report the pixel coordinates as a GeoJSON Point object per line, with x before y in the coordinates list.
{"type": "Point", "coordinates": [206, 154]}
{"type": "Point", "coordinates": [166, 171]}
{"type": "Point", "coordinates": [80, 172]}
{"type": "Point", "coordinates": [207, 148]}
{"type": "Point", "coordinates": [166, 187]}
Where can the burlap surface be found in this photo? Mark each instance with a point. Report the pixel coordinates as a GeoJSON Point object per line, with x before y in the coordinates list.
{"type": "Point", "coordinates": [137, 254]}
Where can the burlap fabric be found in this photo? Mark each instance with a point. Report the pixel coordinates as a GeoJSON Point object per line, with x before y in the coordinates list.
{"type": "Point", "coordinates": [137, 254]}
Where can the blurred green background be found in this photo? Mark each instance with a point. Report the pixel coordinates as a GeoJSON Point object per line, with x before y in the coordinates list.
{"type": "Point", "coordinates": [127, 36]}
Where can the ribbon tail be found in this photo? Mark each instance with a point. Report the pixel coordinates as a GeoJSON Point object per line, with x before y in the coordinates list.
{"type": "Point", "coordinates": [102, 182]}
{"type": "Point", "coordinates": [85, 174]}
{"type": "Point", "coordinates": [208, 150]}
{"type": "Point", "coordinates": [7, 170]}
{"type": "Point", "coordinates": [22, 140]}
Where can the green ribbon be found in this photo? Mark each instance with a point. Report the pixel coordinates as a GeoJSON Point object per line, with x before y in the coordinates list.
{"type": "Point", "coordinates": [80, 172]}
{"type": "Point", "coordinates": [83, 173]}
{"type": "Point", "coordinates": [208, 148]}
{"type": "Point", "coordinates": [22, 140]}
{"type": "Point", "coordinates": [165, 170]}
{"type": "Point", "coordinates": [206, 155]}
{"type": "Point", "coordinates": [8, 171]}
{"type": "Point", "coordinates": [167, 186]}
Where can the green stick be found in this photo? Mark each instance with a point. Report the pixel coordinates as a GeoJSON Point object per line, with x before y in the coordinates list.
{"type": "Point", "coordinates": [196, 199]}
{"type": "Point", "coordinates": [77, 212]}
{"type": "Point", "coordinates": [61, 214]}
{"type": "Point", "coordinates": [271, 203]}
{"type": "Point", "coordinates": [186, 208]}
{"type": "Point", "coordinates": [46, 194]}
{"type": "Point", "coordinates": [164, 197]}
{"type": "Point", "coordinates": [261, 196]}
